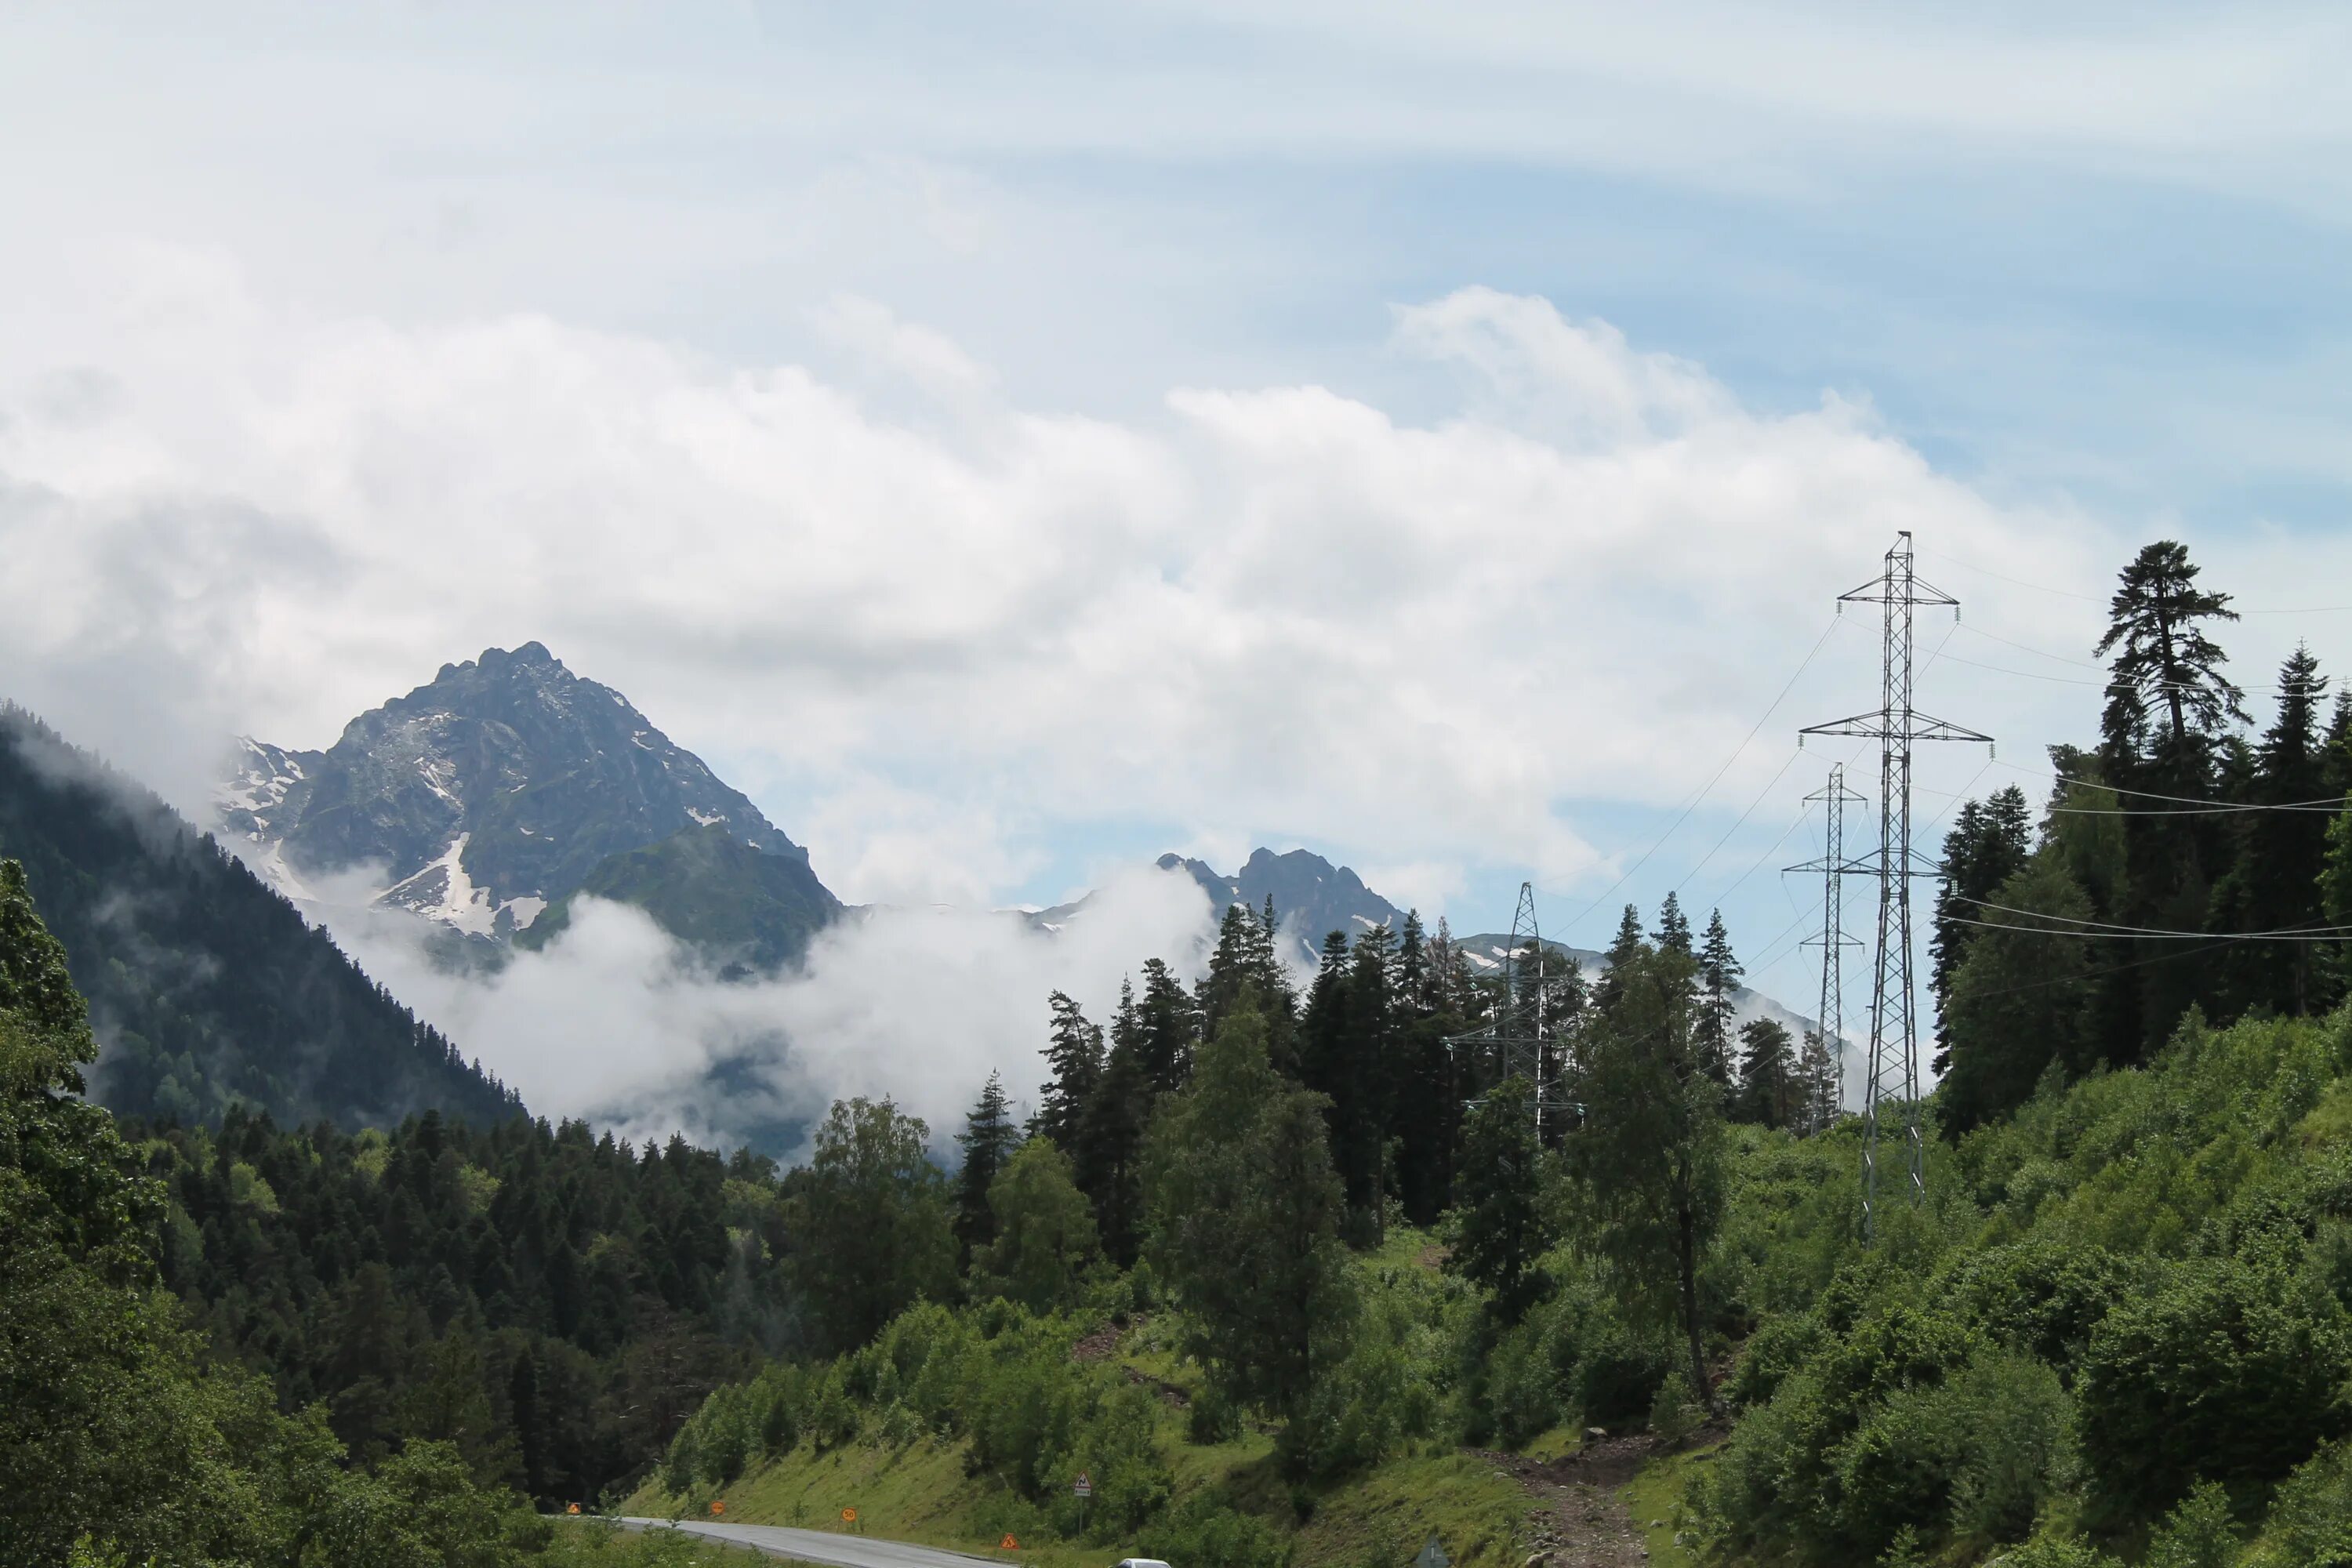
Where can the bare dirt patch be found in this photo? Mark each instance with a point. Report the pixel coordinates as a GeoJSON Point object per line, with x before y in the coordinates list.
{"type": "Point", "coordinates": [1578, 1521]}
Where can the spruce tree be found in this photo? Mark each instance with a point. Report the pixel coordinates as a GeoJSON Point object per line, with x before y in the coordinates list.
{"type": "Point", "coordinates": [1425, 1110]}
{"type": "Point", "coordinates": [1076, 1056]}
{"type": "Point", "coordinates": [1987, 845]}
{"type": "Point", "coordinates": [1674, 932]}
{"type": "Point", "coordinates": [1626, 946]}
{"type": "Point", "coordinates": [2272, 885]}
{"type": "Point", "coordinates": [988, 1140]}
{"type": "Point", "coordinates": [1107, 1143]}
{"type": "Point", "coordinates": [2019, 999]}
{"type": "Point", "coordinates": [1361, 1115]}
{"type": "Point", "coordinates": [2161, 731]}
{"type": "Point", "coordinates": [1818, 1082]}
{"type": "Point", "coordinates": [1719, 976]}
{"type": "Point", "coordinates": [1168, 1027]}
{"type": "Point", "coordinates": [1772, 1092]}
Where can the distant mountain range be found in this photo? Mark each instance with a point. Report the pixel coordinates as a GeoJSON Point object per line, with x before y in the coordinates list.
{"type": "Point", "coordinates": [504, 788]}
{"type": "Point", "coordinates": [207, 988]}
{"type": "Point", "coordinates": [1488, 949]}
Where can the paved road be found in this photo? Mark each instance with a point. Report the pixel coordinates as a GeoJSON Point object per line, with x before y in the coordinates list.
{"type": "Point", "coordinates": [823, 1546]}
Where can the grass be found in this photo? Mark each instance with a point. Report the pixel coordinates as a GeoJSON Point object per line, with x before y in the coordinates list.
{"type": "Point", "coordinates": [1654, 1497]}
{"type": "Point", "coordinates": [920, 1491]}
{"type": "Point", "coordinates": [1379, 1520]}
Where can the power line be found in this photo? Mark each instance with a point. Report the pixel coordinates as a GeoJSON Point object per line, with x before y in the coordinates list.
{"type": "Point", "coordinates": [2325, 802]}
{"type": "Point", "coordinates": [1744, 815]}
{"type": "Point", "coordinates": [2094, 599]}
{"type": "Point", "coordinates": [2087, 974]}
{"type": "Point", "coordinates": [2317, 688]}
{"type": "Point", "coordinates": [1675, 825]}
{"type": "Point", "coordinates": [2120, 929]}
{"type": "Point", "coordinates": [2226, 938]}
{"type": "Point", "coordinates": [1974, 630]}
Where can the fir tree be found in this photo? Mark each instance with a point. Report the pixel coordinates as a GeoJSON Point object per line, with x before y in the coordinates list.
{"type": "Point", "coordinates": [988, 1140]}
{"type": "Point", "coordinates": [1718, 977]}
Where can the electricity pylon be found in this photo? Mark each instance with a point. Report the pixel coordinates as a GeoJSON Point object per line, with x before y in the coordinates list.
{"type": "Point", "coordinates": [1896, 726]}
{"type": "Point", "coordinates": [1825, 1079]}
{"type": "Point", "coordinates": [1515, 1040]}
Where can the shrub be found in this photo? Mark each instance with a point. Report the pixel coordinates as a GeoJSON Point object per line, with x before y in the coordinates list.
{"type": "Point", "coordinates": [1675, 1413]}
{"type": "Point", "coordinates": [1205, 1533]}
{"type": "Point", "coordinates": [2230, 1370]}
{"type": "Point", "coordinates": [2311, 1522]}
{"type": "Point", "coordinates": [2199, 1533]}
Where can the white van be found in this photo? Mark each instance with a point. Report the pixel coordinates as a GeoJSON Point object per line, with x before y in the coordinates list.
{"type": "Point", "coordinates": [1138, 1562]}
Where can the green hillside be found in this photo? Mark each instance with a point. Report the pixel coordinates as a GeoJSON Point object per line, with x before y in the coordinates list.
{"type": "Point", "coordinates": [739, 905]}
{"type": "Point", "coordinates": [207, 988]}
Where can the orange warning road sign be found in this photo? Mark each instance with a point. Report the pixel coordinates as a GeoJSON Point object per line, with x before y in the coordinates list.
{"type": "Point", "coordinates": [849, 1516]}
{"type": "Point", "coordinates": [716, 1506]}
{"type": "Point", "coordinates": [1008, 1545]}
{"type": "Point", "coordinates": [573, 1509]}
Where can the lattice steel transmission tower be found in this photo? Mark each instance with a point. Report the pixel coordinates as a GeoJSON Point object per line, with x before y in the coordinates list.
{"type": "Point", "coordinates": [1896, 726]}
{"type": "Point", "coordinates": [1514, 1041]}
{"type": "Point", "coordinates": [1825, 1081]}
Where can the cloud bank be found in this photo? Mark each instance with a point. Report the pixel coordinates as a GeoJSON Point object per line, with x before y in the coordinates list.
{"type": "Point", "coordinates": [616, 1023]}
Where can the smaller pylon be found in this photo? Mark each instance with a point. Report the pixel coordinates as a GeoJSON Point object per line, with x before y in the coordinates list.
{"type": "Point", "coordinates": [1824, 1063]}
{"type": "Point", "coordinates": [1517, 1039]}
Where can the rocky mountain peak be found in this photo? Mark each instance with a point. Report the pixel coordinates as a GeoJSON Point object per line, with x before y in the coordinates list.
{"type": "Point", "coordinates": [1312, 898]}
{"type": "Point", "coordinates": [482, 796]}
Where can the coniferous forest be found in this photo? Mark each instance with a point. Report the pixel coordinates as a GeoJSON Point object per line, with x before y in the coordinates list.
{"type": "Point", "coordinates": [1296, 1269]}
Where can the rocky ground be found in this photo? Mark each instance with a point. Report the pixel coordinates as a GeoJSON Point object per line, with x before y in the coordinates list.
{"type": "Point", "coordinates": [1579, 1520]}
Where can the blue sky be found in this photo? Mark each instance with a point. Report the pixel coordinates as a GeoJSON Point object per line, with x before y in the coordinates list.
{"type": "Point", "coordinates": [2052, 283]}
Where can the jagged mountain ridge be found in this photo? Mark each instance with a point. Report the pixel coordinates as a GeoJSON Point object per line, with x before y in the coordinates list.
{"type": "Point", "coordinates": [505, 785]}
{"type": "Point", "coordinates": [1312, 898]}
{"type": "Point", "coordinates": [206, 988]}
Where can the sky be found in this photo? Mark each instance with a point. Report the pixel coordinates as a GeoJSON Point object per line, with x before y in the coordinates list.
{"type": "Point", "coordinates": [1012, 441]}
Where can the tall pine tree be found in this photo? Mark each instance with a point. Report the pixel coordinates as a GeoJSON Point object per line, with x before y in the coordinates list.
{"type": "Point", "coordinates": [1076, 1056]}
{"type": "Point", "coordinates": [2167, 706]}
{"type": "Point", "coordinates": [988, 1140]}
{"type": "Point", "coordinates": [1718, 977]}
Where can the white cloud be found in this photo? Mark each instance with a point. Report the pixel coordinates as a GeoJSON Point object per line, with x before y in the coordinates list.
{"type": "Point", "coordinates": [936, 645]}
{"type": "Point", "coordinates": [614, 1022]}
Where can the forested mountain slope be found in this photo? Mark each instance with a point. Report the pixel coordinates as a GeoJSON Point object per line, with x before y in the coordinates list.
{"type": "Point", "coordinates": [119, 1442]}
{"type": "Point", "coordinates": [206, 989]}
{"type": "Point", "coordinates": [550, 1300]}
